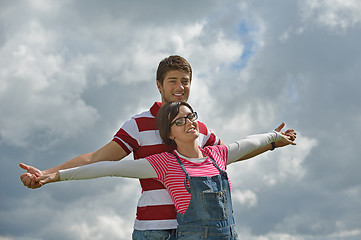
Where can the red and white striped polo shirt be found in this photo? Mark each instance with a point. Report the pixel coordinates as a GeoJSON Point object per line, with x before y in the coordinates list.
{"type": "Point", "coordinates": [140, 135]}
{"type": "Point", "coordinates": [172, 176]}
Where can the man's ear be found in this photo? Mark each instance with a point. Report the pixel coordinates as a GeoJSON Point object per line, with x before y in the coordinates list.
{"type": "Point", "coordinates": [159, 86]}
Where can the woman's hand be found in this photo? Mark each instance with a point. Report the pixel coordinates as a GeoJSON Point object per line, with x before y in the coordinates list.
{"type": "Point", "coordinates": [48, 178]}
{"type": "Point", "coordinates": [288, 137]}
{"type": "Point", "coordinates": [29, 178]}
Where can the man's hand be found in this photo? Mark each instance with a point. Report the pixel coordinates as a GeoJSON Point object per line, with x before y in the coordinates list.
{"type": "Point", "coordinates": [289, 136]}
{"type": "Point", "coordinates": [29, 178]}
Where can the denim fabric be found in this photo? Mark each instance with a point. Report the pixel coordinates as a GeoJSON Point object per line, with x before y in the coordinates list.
{"type": "Point", "coordinates": [209, 214]}
{"type": "Point", "coordinates": [154, 235]}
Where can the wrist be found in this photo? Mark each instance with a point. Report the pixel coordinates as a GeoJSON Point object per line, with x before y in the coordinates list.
{"type": "Point", "coordinates": [273, 146]}
{"type": "Point", "coordinates": [46, 172]}
{"type": "Point", "coordinates": [57, 177]}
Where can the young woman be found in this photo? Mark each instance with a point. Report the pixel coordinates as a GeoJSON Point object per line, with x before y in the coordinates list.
{"type": "Point", "coordinates": [195, 178]}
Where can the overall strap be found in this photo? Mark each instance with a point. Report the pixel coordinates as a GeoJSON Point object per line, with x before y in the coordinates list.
{"type": "Point", "coordinates": [185, 172]}
{"type": "Point", "coordinates": [215, 164]}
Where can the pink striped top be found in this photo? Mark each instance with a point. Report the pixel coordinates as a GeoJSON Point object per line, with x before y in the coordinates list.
{"type": "Point", "coordinates": [172, 176]}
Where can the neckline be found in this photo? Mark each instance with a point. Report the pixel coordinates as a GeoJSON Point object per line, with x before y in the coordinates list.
{"type": "Point", "coordinates": [192, 160]}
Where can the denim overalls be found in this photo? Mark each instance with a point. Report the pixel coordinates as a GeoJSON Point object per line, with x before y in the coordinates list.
{"type": "Point", "coordinates": [209, 214]}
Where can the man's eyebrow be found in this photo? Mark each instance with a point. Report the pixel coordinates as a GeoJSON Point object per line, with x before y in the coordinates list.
{"type": "Point", "coordinates": [183, 78]}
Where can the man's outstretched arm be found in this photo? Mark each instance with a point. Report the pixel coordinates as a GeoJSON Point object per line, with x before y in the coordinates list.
{"type": "Point", "coordinates": [110, 152]}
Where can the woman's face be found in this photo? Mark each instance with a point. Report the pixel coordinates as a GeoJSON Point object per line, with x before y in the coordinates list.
{"type": "Point", "coordinates": [186, 133]}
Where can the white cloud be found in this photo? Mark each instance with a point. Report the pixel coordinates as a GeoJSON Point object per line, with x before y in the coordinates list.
{"type": "Point", "coordinates": [41, 90]}
{"type": "Point", "coordinates": [102, 227]}
{"type": "Point", "coordinates": [278, 236]}
{"type": "Point", "coordinates": [333, 14]}
{"type": "Point", "coordinates": [289, 161]}
{"type": "Point", "coordinates": [346, 233]}
{"type": "Point", "coordinates": [6, 238]}
{"type": "Point", "coordinates": [247, 198]}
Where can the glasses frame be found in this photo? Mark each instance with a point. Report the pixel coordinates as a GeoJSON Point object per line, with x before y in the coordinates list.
{"type": "Point", "coordinates": [193, 114]}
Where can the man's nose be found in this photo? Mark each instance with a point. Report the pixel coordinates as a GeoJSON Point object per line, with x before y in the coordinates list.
{"type": "Point", "coordinates": [180, 85]}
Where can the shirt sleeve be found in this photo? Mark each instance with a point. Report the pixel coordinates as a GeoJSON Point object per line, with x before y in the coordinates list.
{"type": "Point", "coordinates": [242, 147]}
{"type": "Point", "coordinates": [209, 139]}
{"type": "Point", "coordinates": [140, 168]}
{"type": "Point", "coordinates": [160, 163]}
{"type": "Point", "coordinates": [127, 136]}
{"type": "Point", "coordinates": [222, 153]}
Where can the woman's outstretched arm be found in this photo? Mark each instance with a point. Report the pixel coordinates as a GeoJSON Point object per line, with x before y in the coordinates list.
{"type": "Point", "coordinates": [239, 149]}
{"type": "Point", "coordinates": [140, 168]}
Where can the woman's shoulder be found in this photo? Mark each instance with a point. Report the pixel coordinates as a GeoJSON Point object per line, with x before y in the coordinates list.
{"type": "Point", "coordinates": [161, 161]}
{"type": "Point", "coordinates": [216, 149]}
{"type": "Point", "coordinates": [162, 155]}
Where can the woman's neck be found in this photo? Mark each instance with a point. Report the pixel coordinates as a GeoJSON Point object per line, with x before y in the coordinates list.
{"type": "Point", "coordinates": [190, 150]}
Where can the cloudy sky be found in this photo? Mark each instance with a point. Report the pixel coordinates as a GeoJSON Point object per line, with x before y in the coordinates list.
{"type": "Point", "coordinates": [71, 72]}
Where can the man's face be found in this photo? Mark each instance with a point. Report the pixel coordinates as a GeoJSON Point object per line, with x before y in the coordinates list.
{"type": "Point", "coordinates": [176, 86]}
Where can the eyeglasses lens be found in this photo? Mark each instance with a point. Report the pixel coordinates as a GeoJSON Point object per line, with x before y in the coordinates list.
{"type": "Point", "coordinates": [182, 121]}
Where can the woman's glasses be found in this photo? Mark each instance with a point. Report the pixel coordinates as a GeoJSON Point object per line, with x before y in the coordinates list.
{"type": "Point", "coordinates": [183, 120]}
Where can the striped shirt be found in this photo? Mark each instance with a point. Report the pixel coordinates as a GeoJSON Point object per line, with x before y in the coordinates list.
{"type": "Point", "coordinates": [140, 135]}
{"type": "Point", "coordinates": [172, 176]}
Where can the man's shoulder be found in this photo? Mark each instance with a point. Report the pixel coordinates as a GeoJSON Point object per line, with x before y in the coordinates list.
{"type": "Point", "coordinates": [145, 114]}
{"type": "Point", "coordinates": [202, 128]}
{"type": "Point", "coordinates": [150, 113]}
{"type": "Point", "coordinates": [140, 122]}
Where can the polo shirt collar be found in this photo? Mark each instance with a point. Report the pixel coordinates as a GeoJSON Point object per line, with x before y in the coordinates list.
{"type": "Point", "coordinates": [155, 108]}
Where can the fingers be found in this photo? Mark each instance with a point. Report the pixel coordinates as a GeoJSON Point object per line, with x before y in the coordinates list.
{"type": "Point", "coordinates": [279, 128]}
{"type": "Point", "coordinates": [45, 179]}
{"type": "Point", "coordinates": [285, 140]}
{"type": "Point", "coordinates": [31, 169]}
{"type": "Point", "coordinates": [290, 139]}
{"type": "Point", "coordinates": [42, 180]}
{"type": "Point", "coordinates": [26, 178]}
{"type": "Point", "coordinates": [292, 142]}
{"type": "Point", "coordinates": [29, 180]}
{"type": "Point", "coordinates": [24, 166]}
{"type": "Point", "coordinates": [291, 133]}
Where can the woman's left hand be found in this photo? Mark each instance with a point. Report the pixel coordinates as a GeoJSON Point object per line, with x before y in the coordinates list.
{"type": "Point", "coordinates": [288, 137]}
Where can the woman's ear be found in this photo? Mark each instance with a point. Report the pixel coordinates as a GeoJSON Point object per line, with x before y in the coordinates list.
{"type": "Point", "coordinates": [170, 136]}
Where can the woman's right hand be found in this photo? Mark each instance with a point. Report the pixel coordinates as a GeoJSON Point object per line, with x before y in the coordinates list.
{"type": "Point", "coordinates": [29, 178]}
{"type": "Point", "coordinates": [48, 178]}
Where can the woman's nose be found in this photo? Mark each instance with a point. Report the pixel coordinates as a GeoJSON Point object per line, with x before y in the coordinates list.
{"type": "Point", "coordinates": [188, 121]}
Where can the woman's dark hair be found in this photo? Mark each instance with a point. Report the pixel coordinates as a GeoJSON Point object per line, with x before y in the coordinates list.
{"type": "Point", "coordinates": [166, 115]}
